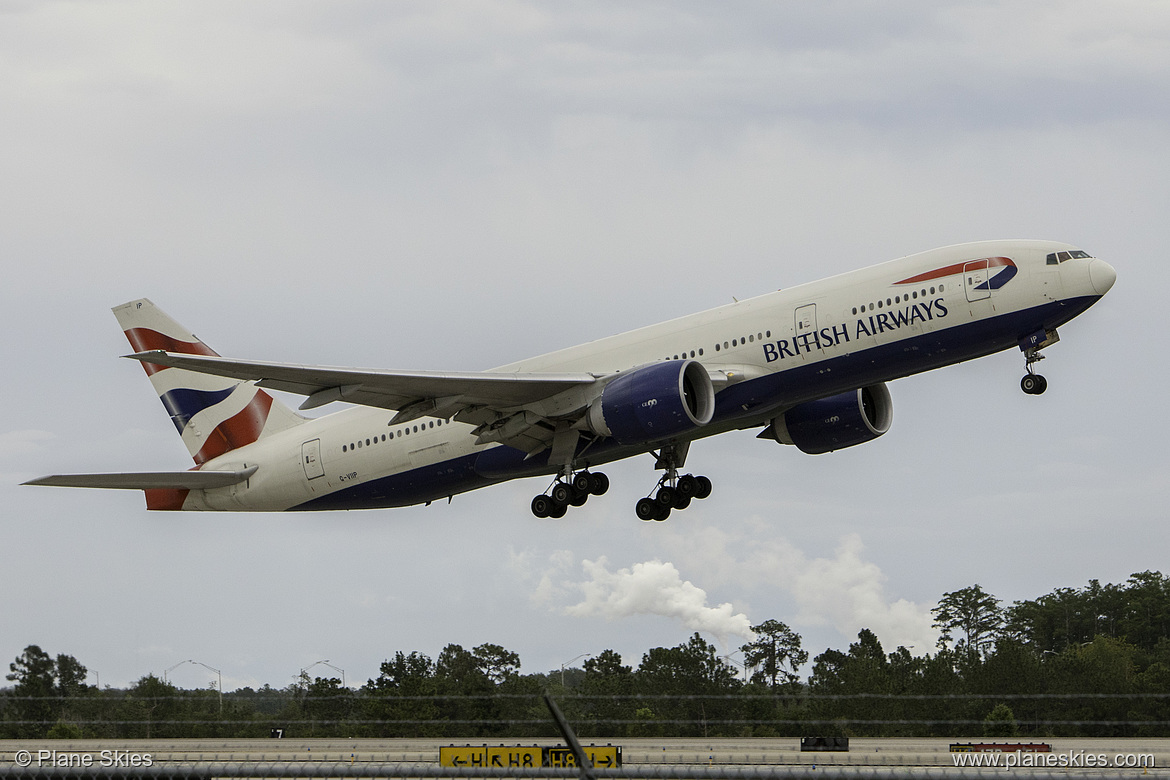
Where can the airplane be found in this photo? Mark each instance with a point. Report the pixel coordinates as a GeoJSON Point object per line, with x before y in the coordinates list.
{"type": "Point", "coordinates": [807, 365]}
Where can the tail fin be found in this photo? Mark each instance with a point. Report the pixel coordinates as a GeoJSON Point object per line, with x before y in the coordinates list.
{"type": "Point", "coordinates": [213, 414]}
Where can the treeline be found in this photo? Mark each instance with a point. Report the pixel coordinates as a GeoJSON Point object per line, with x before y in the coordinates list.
{"type": "Point", "coordinates": [1093, 661]}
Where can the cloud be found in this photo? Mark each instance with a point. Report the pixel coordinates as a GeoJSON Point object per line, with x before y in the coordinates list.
{"type": "Point", "coordinates": [654, 588]}
{"type": "Point", "coordinates": [844, 591]}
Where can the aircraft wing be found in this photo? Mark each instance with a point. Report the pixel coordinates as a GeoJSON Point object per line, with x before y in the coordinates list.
{"type": "Point", "coordinates": [149, 480]}
{"type": "Point", "coordinates": [412, 394]}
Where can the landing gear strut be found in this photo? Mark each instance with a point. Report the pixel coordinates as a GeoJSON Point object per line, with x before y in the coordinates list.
{"type": "Point", "coordinates": [1033, 383]}
{"type": "Point", "coordinates": [569, 490]}
{"type": "Point", "coordinates": [672, 491]}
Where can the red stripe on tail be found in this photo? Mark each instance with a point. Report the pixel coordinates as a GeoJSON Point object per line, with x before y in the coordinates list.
{"type": "Point", "coordinates": [166, 499]}
{"type": "Point", "coordinates": [145, 339]}
{"type": "Point", "coordinates": [244, 428]}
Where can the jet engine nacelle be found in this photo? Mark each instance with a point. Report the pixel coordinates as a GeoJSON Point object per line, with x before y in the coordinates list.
{"type": "Point", "coordinates": [653, 403]}
{"type": "Point", "coordinates": [836, 422]}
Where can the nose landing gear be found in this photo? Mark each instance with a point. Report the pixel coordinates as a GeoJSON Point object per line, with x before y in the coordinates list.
{"type": "Point", "coordinates": [1033, 383]}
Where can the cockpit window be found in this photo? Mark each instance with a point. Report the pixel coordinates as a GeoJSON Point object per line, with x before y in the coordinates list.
{"type": "Point", "coordinates": [1055, 258]}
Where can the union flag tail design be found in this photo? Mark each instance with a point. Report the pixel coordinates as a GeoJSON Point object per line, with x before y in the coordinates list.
{"type": "Point", "coordinates": [213, 414]}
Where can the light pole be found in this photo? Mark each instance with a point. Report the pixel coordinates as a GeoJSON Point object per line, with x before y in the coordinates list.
{"type": "Point", "coordinates": [170, 669]}
{"type": "Point", "coordinates": [325, 662]}
{"type": "Point", "coordinates": [571, 660]}
{"type": "Point", "coordinates": [735, 663]}
{"type": "Point", "coordinates": [219, 676]}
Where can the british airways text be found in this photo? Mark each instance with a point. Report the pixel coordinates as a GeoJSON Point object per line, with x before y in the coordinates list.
{"type": "Point", "coordinates": [870, 325]}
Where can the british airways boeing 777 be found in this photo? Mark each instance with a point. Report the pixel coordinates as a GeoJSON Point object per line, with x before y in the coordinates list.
{"type": "Point", "coordinates": [808, 366]}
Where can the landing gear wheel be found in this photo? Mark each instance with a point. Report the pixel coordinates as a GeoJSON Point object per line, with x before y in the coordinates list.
{"type": "Point", "coordinates": [583, 482]}
{"type": "Point", "coordinates": [1033, 384]}
{"type": "Point", "coordinates": [558, 511]}
{"type": "Point", "coordinates": [646, 509]}
{"type": "Point", "coordinates": [687, 486]}
{"type": "Point", "coordinates": [561, 494]}
{"type": "Point", "coordinates": [600, 484]}
{"type": "Point", "coordinates": [663, 513]}
{"type": "Point", "coordinates": [702, 487]}
{"type": "Point", "coordinates": [665, 496]}
{"type": "Point", "coordinates": [681, 501]}
{"type": "Point", "coordinates": [579, 498]}
{"type": "Point", "coordinates": [542, 506]}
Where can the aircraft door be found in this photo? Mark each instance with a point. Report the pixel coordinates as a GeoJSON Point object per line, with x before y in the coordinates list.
{"type": "Point", "coordinates": [975, 278]}
{"type": "Point", "coordinates": [806, 328]}
{"type": "Point", "coordinates": [311, 459]}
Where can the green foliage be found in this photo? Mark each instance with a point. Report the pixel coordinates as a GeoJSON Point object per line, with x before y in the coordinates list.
{"type": "Point", "coordinates": [693, 668]}
{"type": "Point", "coordinates": [1093, 661]}
{"type": "Point", "coordinates": [1000, 722]}
{"type": "Point", "coordinates": [775, 654]}
{"type": "Point", "coordinates": [63, 730]}
{"type": "Point", "coordinates": [44, 690]}
{"type": "Point", "coordinates": [970, 610]}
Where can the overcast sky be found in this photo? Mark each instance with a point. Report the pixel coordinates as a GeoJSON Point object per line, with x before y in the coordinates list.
{"type": "Point", "coordinates": [458, 185]}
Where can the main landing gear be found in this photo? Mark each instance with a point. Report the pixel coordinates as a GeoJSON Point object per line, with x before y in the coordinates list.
{"type": "Point", "coordinates": [1033, 383]}
{"type": "Point", "coordinates": [673, 491]}
{"type": "Point", "coordinates": [574, 491]}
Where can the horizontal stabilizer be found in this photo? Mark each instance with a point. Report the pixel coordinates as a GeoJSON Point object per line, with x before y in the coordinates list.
{"type": "Point", "coordinates": [149, 480]}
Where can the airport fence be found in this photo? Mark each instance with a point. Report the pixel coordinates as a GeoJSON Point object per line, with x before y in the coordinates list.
{"type": "Point", "coordinates": [196, 714]}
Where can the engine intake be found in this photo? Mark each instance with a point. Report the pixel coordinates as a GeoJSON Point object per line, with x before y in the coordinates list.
{"type": "Point", "coordinates": [836, 422]}
{"type": "Point", "coordinates": [653, 403]}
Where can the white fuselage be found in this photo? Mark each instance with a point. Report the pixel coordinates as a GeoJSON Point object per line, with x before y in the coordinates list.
{"type": "Point", "coordinates": [773, 351]}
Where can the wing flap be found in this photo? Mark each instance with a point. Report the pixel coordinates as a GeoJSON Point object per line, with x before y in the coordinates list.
{"type": "Point", "coordinates": [149, 480]}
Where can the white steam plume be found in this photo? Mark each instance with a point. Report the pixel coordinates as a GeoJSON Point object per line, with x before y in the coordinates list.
{"type": "Point", "coordinates": [654, 588]}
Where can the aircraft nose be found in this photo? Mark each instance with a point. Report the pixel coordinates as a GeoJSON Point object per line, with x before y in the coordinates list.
{"type": "Point", "coordinates": [1102, 276]}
